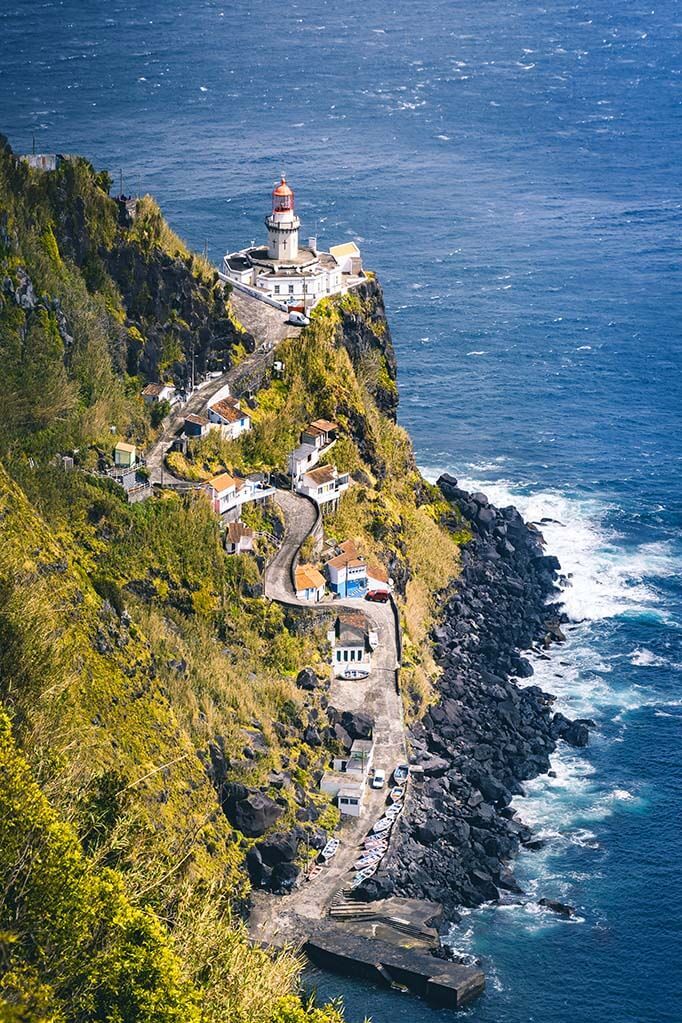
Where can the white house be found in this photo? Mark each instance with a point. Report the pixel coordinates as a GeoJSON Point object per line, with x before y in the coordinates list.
{"type": "Point", "coordinates": [351, 649]}
{"type": "Point", "coordinates": [230, 417]}
{"type": "Point", "coordinates": [222, 492]}
{"type": "Point", "coordinates": [316, 440]}
{"type": "Point", "coordinates": [238, 538]}
{"type": "Point", "coordinates": [309, 583]}
{"type": "Point", "coordinates": [323, 484]}
{"type": "Point", "coordinates": [321, 434]}
{"type": "Point", "coordinates": [228, 494]}
{"type": "Point", "coordinates": [286, 273]}
{"type": "Point", "coordinates": [347, 779]}
{"type": "Point", "coordinates": [302, 458]}
{"type": "Point", "coordinates": [359, 760]}
{"type": "Point", "coordinates": [196, 426]}
{"type": "Point", "coordinates": [348, 792]}
{"type": "Point", "coordinates": [154, 393]}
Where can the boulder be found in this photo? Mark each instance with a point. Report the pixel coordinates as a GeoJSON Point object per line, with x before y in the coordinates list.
{"type": "Point", "coordinates": [357, 724]}
{"type": "Point", "coordinates": [249, 810]}
{"type": "Point", "coordinates": [278, 848]}
{"type": "Point", "coordinates": [307, 679]}
{"type": "Point", "coordinates": [284, 877]}
{"type": "Point", "coordinates": [557, 907]}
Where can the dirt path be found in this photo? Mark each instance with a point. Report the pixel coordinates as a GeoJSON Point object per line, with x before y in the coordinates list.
{"type": "Point", "coordinates": [277, 918]}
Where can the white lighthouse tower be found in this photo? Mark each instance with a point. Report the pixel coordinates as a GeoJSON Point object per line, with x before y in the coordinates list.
{"type": "Point", "coordinates": [282, 225]}
{"type": "Point", "coordinates": [285, 274]}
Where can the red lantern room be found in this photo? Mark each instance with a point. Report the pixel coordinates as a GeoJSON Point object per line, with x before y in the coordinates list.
{"type": "Point", "coordinates": [282, 198]}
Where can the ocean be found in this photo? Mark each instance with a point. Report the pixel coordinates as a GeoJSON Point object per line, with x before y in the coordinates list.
{"type": "Point", "coordinates": [511, 171]}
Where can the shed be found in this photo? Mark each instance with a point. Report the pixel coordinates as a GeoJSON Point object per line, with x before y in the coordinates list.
{"type": "Point", "coordinates": [125, 455]}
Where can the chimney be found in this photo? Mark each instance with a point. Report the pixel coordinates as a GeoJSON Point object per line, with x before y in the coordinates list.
{"type": "Point", "coordinates": [312, 243]}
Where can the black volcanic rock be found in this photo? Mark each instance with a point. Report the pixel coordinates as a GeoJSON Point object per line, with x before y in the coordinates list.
{"type": "Point", "coordinates": [486, 735]}
{"type": "Point", "coordinates": [249, 810]}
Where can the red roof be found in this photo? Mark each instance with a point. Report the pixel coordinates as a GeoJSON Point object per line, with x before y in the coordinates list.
{"type": "Point", "coordinates": [282, 188]}
{"type": "Point", "coordinates": [228, 411]}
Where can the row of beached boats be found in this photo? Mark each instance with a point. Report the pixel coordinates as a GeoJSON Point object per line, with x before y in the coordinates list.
{"type": "Point", "coordinates": [376, 842]}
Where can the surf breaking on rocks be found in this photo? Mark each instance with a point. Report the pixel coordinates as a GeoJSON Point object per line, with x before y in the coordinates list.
{"type": "Point", "coordinates": [487, 734]}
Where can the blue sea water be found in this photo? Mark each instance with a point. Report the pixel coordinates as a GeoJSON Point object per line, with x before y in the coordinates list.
{"type": "Point", "coordinates": [511, 170]}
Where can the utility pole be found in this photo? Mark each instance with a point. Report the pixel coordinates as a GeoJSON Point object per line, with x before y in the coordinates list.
{"type": "Point", "coordinates": [34, 144]}
{"type": "Point", "coordinates": [120, 180]}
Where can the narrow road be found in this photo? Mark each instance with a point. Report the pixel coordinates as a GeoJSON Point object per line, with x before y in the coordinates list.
{"type": "Point", "coordinates": [277, 918]}
{"type": "Point", "coordinates": [269, 327]}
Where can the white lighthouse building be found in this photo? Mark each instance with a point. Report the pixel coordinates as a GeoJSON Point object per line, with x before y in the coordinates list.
{"type": "Point", "coordinates": [285, 273]}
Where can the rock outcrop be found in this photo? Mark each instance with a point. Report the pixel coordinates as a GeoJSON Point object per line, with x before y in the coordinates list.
{"type": "Point", "coordinates": [486, 735]}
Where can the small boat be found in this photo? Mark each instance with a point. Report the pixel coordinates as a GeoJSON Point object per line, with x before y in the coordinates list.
{"type": "Point", "coordinates": [330, 849]}
{"type": "Point", "coordinates": [367, 861]}
{"type": "Point", "coordinates": [396, 793]}
{"type": "Point", "coordinates": [401, 774]}
{"type": "Point", "coordinates": [363, 875]}
{"type": "Point", "coordinates": [375, 843]}
{"type": "Point", "coordinates": [355, 673]}
{"type": "Point", "coordinates": [314, 872]}
{"type": "Point", "coordinates": [382, 825]}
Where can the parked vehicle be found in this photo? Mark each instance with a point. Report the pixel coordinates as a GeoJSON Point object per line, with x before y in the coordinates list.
{"type": "Point", "coordinates": [378, 779]}
{"type": "Point", "coordinates": [378, 596]}
{"type": "Point", "coordinates": [298, 319]}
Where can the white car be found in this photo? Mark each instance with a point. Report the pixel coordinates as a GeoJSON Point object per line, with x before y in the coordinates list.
{"type": "Point", "coordinates": [378, 779]}
{"type": "Point", "coordinates": [298, 319]}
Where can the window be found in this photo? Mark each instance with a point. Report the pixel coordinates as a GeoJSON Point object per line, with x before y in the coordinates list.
{"type": "Point", "coordinates": [338, 655]}
{"type": "Point", "coordinates": [345, 655]}
{"type": "Point", "coordinates": [291, 289]}
{"type": "Point", "coordinates": [277, 289]}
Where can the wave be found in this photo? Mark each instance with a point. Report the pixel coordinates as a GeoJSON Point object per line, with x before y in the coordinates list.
{"type": "Point", "coordinates": [604, 579]}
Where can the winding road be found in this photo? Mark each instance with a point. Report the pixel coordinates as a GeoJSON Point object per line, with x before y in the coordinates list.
{"type": "Point", "coordinates": [278, 919]}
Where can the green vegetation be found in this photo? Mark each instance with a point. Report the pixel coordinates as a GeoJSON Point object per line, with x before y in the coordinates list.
{"type": "Point", "coordinates": [131, 646]}
{"type": "Point", "coordinates": [140, 668]}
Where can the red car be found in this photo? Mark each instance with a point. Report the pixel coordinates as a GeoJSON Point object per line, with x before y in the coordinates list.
{"type": "Point", "coordinates": [378, 596]}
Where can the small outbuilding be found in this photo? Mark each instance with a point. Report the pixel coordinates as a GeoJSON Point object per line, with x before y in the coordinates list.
{"type": "Point", "coordinates": [125, 455]}
{"type": "Point", "coordinates": [196, 426]}
{"type": "Point", "coordinates": [238, 538]}
{"type": "Point", "coordinates": [154, 393]}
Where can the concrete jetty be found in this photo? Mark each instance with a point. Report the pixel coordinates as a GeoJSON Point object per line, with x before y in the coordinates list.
{"type": "Point", "coordinates": [442, 984]}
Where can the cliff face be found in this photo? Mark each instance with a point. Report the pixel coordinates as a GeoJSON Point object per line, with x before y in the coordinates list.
{"type": "Point", "coordinates": [367, 339]}
{"type": "Point", "coordinates": [157, 306]}
{"type": "Point", "coordinates": [177, 315]}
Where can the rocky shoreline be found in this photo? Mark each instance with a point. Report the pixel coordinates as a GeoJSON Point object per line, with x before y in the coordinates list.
{"type": "Point", "coordinates": [486, 735]}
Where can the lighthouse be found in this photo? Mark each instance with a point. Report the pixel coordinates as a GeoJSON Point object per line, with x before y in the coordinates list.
{"type": "Point", "coordinates": [284, 273]}
{"type": "Point", "coordinates": [282, 224]}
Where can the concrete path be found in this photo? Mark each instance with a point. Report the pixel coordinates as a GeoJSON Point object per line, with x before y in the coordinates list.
{"type": "Point", "coordinates": [278, 918]}
{"type": "Point", "coordinates": [268, 326]}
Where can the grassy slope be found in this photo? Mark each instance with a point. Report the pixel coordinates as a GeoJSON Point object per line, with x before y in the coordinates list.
{"type": "Point", "coordinates": [128, 643]}
{"type": "Point", "coordinates": [394, 515]}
